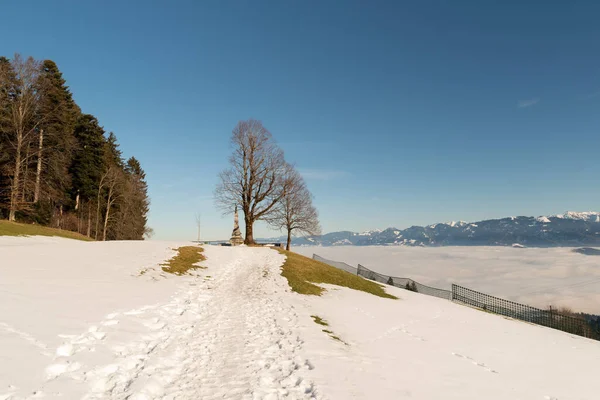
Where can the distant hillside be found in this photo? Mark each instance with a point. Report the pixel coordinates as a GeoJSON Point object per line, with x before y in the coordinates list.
{"type": "Point", "coordinates": [568, 229]}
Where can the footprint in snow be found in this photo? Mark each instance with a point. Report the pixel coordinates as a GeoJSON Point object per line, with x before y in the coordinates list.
{"type": "Point", "coordinates": [482, 365]}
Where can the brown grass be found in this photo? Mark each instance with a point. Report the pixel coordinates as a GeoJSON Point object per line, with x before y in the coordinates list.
{"type": "Point", "coordinates": [16, 229]}
{"type": "Point", "coordinates": [319, 320]}
{"type": "Point", "coordinates": [184, 261]}
{"type": "Point", "coordinates": [303, 273]}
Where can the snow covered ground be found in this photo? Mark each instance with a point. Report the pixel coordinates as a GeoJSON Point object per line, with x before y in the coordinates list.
{"type": "Point", "coordinates": [534, 276]}
{"type": "Point", "coordinates": [79, 321]}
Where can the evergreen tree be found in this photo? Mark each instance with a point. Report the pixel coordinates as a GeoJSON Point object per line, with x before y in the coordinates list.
{"type": "Point", "coordinates": [139, 200]}
{"type": "Point", "coordinates": [88, 163]}
{"type": "Point", "coordinates": [114, 156]}
{"type": "Point", "coordinates": [7, 96]}
{"type": "Point", "coordinates": [56, 164]}
{"type": "Point", "coordinates": [59, 114]}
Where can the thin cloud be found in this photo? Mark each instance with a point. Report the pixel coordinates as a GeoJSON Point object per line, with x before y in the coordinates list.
{"type": "Point", "coordinates": [528, 103]}
{"type": "Point", "coordinates": [322, 174]}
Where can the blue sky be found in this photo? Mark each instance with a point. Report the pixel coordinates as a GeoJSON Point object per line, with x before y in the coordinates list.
{"type": "Point", "coordinates": [397, 113]}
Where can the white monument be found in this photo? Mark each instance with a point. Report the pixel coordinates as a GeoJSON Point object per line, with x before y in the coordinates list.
{"type": "Point", "coordinates": [236, 236]}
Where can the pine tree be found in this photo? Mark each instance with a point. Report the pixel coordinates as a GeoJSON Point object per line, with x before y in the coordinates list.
{"type": "Point", "coordinates": [57, 165]}
{"type": "Point", "coordinates": [139, 202]}
{"type": "Point", "coordinates": [7, 96]}
{"type": "Point", "coordinates": [114, 156]}
{"type": "Point", "coordinates": [87, 167]}
{"type": "Point", "coordinates": [59, 115]}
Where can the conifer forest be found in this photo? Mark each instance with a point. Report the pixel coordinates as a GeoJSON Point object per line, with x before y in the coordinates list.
{"type": "Point", "coordinates": [58, 166]}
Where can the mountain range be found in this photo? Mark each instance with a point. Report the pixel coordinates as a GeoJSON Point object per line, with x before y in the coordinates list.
{"type": "Point", "coordinates": [568, 229]}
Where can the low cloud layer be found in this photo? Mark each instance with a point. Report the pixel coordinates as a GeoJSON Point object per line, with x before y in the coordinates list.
{"type": "Point", "coordinates": [537, 277]}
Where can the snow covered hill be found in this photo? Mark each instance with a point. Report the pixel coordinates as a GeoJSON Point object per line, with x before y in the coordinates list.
{"type": "Point", "coordinates": [568, 229]}
{"type": "Point", "coordinates": [81, 321]}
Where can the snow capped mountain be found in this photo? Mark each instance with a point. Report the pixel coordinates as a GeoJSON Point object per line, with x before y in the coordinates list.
{"type": "Point", "coordinates": [568, 229]}
{"type": "Point", "coordinates": [583, 216]}
{"type": "Point", "coordinates": [454, 223]}
{"type": "Point", "coordinates": [370, 232]}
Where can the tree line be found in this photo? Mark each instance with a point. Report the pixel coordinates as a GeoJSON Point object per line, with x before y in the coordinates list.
{"type": "Point", "coordinates": [264, 185]}
{"type": "Point", "coordinates": [58, 167]}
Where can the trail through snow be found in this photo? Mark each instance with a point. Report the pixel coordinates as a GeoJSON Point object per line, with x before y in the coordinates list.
{"type": "Point", "coordinates": [225, 335]}
{"type": "Point", "coordinates": [80, 321]}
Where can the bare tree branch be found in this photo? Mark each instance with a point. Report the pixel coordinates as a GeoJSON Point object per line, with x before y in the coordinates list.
{"type": "Point", "coordinates": [254, 179]}
{"type": "Point", "coordinates": [295, 212]}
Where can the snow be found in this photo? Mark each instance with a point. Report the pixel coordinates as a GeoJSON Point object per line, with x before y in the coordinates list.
{"type": "Point", "coordinates": [344, 242]}
{"type": "Point", "coordinates": [585, 216]}
{"type": "Point", "coordinates": [534, 276]}
{"type": "Point", "coordinates": [455, 223]}
{"type": "Point", "coordinates": [79, 321]}
{"type": "Point", "coordinates": [543, 219]}
{"type": "Point", "coordinates": [370, 232]}
{"type": "Point", "coordinates": [89, 326]}
{"type": "Point", "coordinates": [422, 347]}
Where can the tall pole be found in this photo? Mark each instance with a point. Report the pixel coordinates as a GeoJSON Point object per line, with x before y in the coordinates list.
{"type": "Point", "coordinates": [198, 221]}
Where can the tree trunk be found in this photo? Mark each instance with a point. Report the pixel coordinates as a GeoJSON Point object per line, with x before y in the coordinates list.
{"type": "Point", "coordinates": [89, 222]}
{"type": "Point", "coordinates": [289, 240]}
{"type": "Point", "coordinates": [77, 202]}
{"type": "Point", "coordinates": [108, 204]}
{"type": "Point", "coordinates": [97, 219]}
{"type": "Point", "coordinates": [15, 184]}
{"type": "Point", "coordinates": [24, 176]}
{"type": "Point", "coordinates": [249, 239]}
{"type": "Point", "coordinates": [36, 196]}
{"type": "Point", "coordinates": [105, 222]}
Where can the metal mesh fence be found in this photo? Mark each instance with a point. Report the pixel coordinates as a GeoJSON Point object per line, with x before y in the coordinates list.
{"type": "Point", "coordinates": [577, 325]}
{"type": "Point", "coordinates": [404, 283]}
{"type": "Point", "coordinates": [337, 264]}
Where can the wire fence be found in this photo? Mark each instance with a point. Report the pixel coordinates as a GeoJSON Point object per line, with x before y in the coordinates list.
{"type": "Point", "coordinates": [578, 324]}
{"type": "Point", "coordinates": [575, 324]}
{"type": "Point", "coordinates": [337, 264]}
{"type": "Point", "coordinates": [404, 283]}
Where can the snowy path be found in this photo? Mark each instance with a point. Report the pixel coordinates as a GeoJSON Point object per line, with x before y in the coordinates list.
{"type": "Point", "coordinates": [90, 326]}
{"type": "Point", "coordinates": [229, 336]}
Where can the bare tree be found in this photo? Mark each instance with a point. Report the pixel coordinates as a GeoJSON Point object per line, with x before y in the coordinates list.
{"type": "Point", "coordinates": [21, 122]}
{"type": "Point", "coordinates": [295, 212]}
{"type": "Point", "coordinates": [255, 180]}
{"type": "Point", "coordinates": [112, 181]}
{"type": "Point", "coordinates": [38, 174]}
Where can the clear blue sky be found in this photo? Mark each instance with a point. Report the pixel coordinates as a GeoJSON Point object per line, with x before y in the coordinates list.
{"type": "Point", "coordinates": [398, 113]}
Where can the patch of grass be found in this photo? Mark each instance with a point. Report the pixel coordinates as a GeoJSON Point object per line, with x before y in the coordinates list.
{"type": "Point", "coordinates": [184, 261]}
{"type": "Point", "coordinates": [15, 229]}
{"type": "Point", "coordinates": [319, 320]}
{"type": "Point", "coordinates": [338, 339]}
{"type": "Point", "coordinates": [302, 273]}
{"type": "Point", "coordinates": [334, 337]}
